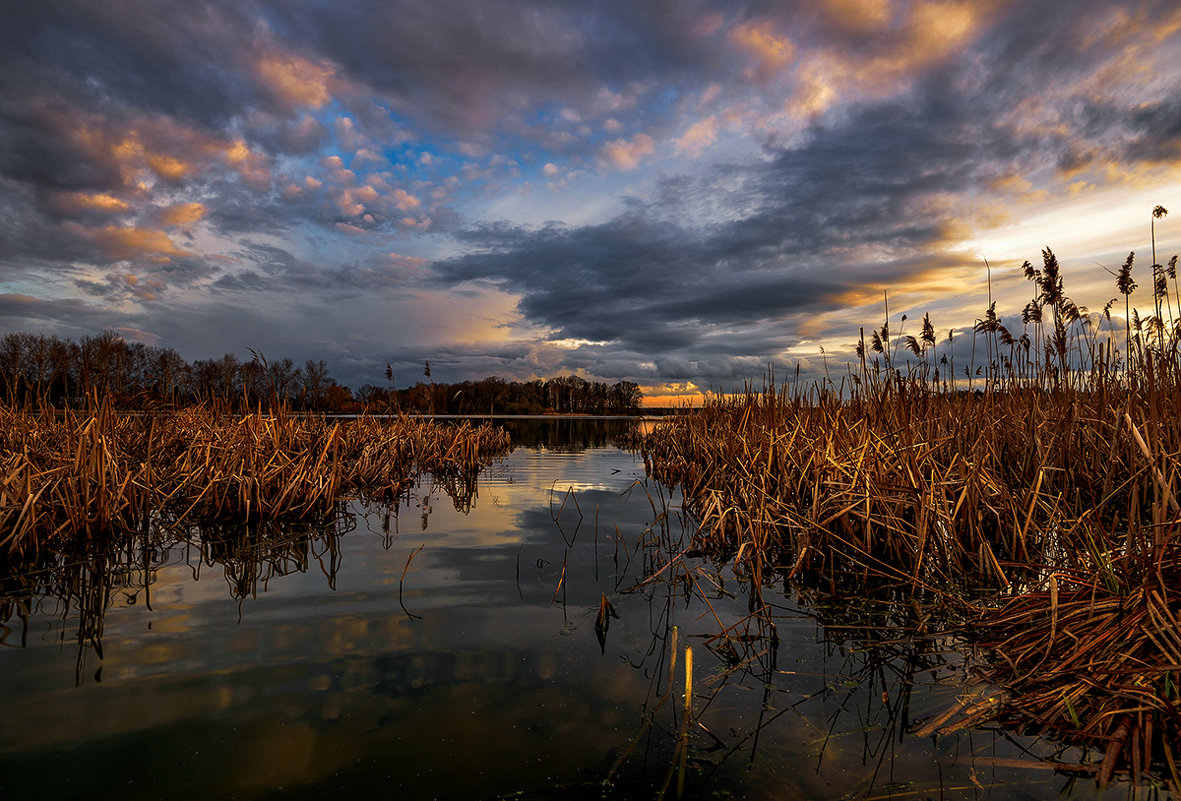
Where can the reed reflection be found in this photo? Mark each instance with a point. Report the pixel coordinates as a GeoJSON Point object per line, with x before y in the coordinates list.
{"type": "Point", "coordinates": [856, 685]}
{"type": "Point", "coordinates": [78, 587]}
{"type": "Point", "coordinates": [553, 604]}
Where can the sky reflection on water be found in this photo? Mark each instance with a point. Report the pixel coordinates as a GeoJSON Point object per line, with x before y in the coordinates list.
{"type": "Point", "coordinates": [478, 675]}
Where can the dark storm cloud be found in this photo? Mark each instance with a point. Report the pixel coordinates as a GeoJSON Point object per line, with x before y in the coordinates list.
{"type": "Point", "coordinates": [464, 67]}
{"type": "Point", "coordinates": [1157, 129]}
{"type": "Point", "coordinates": [452, 364]}
{"type": "Point", "coordinates": [29, 238]}
{"type": "Point", "coordinates": [72, 68]}
{"type": "Point", "coordinates": [645, 283]}
{"type": "Point", "coordinates": [178, 59]}
{"type": "Point", "coordinates": [271, 117]}
{"type": "Point", "coordinates": [37, 148]}
{"type": "Point", "coordinates": [278, 271]}
{"type": "Point", "coordinates": [624, 282]}
{"type": "Point", "coordinates": [18, 311]}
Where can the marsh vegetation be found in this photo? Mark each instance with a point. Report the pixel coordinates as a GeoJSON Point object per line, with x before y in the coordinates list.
{"type": "Point", "coordinates": [1030, 505]}
{"type": "Point", "coordinates": [74, 478]}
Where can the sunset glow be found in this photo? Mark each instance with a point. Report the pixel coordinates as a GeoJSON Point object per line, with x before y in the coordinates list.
{"type": "Point", "coordinates": [682, 195]}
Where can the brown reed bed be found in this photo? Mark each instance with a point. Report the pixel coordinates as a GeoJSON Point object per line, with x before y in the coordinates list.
{"type": "Point", "coordinates": [70, 477]}
{"type": "Point", "coordinates": [1046, 519]}
{"type": "Point", "coordinates": [929, 488]}
{"type": "Point", "coordinates": [1042, 508]}
{"type": "Point", "coordinates": [1096, 660]}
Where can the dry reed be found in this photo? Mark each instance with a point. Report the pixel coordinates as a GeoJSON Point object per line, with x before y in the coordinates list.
{"type": "Point", "coordinates": [70, 477]}
{"type": "Point", "coordinates": [1043, 506]}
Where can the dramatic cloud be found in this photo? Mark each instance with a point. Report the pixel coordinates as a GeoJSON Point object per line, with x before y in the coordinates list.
{"type": "Point", "coordinates": [676, 193]}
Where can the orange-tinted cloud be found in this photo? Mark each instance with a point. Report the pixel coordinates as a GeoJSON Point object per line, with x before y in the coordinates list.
{"type": "Point", "coordinates": [406, 261]}
{"type": "Point", "coordinates": [420, 224]}
{"type": "Point", "coordinates": [405, 201]}
{"type": "Point", "coordinates": [252, 166]}
{"type": "Point", "coordinates": [118, 243]}
{"type": "Point", "coordinates": [936, 276]}
{"type": "Point", "coordinates": [626, 155]}
{"type": "Point", "coordinates": [928, 33]}
{"type": "Point", "coordinates": [700, 135]}
{"type": "Point", "coordinates": [70, 202]}
{"type": "Point", "coordinates": [349, 205]}
{"type": "Point", "coordinates": [295, 80]}
{"type": "Point", "coordinates": [337, 172]}
{"type": "Point", "coordinates": [770, 51]}
{"type": "Point", "coordinates": [169, 168]}
{"type": "Point", "coordinates": [184, 215]}
{"type": "Point", "coordinates": [144, 150]}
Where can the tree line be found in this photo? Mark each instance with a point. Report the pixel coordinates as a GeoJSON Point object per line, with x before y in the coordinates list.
{"type": "Point", "coordinates": [46, 370]}
{"type": "Point", "coordinates": [494, 395]}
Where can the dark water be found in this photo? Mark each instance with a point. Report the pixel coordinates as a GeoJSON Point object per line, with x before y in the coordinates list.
{"type": "Point", "coordinates": [448, 648]}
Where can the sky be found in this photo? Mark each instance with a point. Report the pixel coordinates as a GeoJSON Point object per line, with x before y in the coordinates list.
{"type": "Point", "coordinates": [681, 193]}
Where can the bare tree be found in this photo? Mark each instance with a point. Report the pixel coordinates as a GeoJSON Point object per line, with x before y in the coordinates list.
{"type": "Point", "coordinates": [315, 383]}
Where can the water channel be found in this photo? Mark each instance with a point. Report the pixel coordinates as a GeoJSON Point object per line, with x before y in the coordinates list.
{"type": "Point", "coordinates": [499, 640]}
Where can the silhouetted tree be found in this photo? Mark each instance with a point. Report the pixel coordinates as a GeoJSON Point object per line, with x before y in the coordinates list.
{"type": "Point", "coordinates": [315, 384]}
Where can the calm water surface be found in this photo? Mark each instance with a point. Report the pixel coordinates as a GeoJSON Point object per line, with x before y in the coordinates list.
{"type": "Point", "coordinates": [447, 647]}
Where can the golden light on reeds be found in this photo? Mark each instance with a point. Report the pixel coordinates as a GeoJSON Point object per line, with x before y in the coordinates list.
{"type": "Point", "coordinates": [75, 476]}
{"type": "Point", "coordinates": [1053, 486]}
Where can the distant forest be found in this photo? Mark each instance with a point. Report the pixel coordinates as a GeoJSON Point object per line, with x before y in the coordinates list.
{"type": "Point", "coordinates": [37, 369]}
